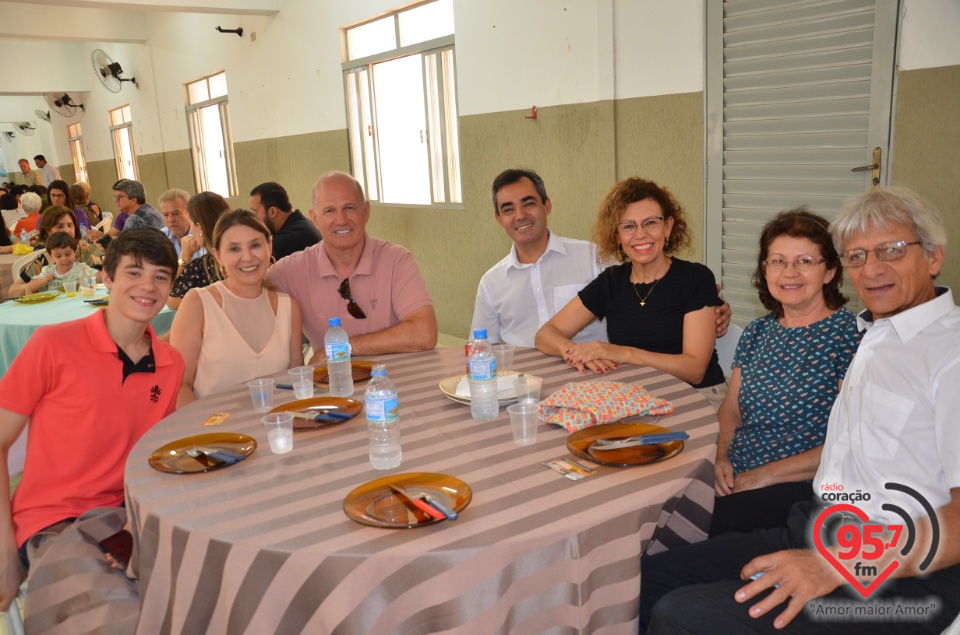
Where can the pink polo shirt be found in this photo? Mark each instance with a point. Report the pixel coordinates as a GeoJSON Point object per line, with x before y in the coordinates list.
{"type": "Point", "coordinates": [386, 284]}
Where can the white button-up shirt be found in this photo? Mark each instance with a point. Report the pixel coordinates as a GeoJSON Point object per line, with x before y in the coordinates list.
{"type": "Point", "coordinates": [895, 419]}
{"type": "Point", "coordinates": [515, 299]}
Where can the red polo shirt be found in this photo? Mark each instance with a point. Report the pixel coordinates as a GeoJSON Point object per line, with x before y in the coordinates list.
{"type": "Point", "coordinates": [81, 431]}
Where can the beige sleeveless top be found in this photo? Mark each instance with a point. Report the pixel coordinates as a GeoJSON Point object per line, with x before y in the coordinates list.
{"type": "Point", "coordinates": [242, 340]}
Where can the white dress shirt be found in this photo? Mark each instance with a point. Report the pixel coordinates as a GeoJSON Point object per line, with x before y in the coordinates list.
{"type": "Point", "coordinates": [895, 419]}
{"type": "Point", "coordinates": [515, 299]}
{"type": "Point", "coordinates": [50, 174]}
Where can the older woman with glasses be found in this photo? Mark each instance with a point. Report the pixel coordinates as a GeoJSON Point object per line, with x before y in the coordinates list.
{"type": "Point", "coordinates": [659, 309]}
{"type": "Point", "coordinates": [786, 375]}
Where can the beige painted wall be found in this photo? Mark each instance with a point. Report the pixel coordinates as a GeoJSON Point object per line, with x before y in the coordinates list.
{"type": "Point", "coordinates": [926, 149]}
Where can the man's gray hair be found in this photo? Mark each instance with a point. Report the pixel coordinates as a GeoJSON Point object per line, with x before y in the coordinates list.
{"type": "Point", "coordinates": [133, 189]}
{"type": "Point", "coordinates": [174, 195]}
{"type": "Point", "coordinates": [885, 206]}
{"type": "Point", "coordinates": [30, 202]}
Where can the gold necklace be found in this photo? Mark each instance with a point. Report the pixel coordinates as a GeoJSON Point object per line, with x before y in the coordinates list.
{"type": "Point", "coordinates": [643, 300]}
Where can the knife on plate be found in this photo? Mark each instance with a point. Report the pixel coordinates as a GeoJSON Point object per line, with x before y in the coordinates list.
{"type": "Point", "coordinates": [643, 439]}
{"type": "Point", "coordinates": [417, 502]}
{"type": "Point", "coordinates": [328, 414]}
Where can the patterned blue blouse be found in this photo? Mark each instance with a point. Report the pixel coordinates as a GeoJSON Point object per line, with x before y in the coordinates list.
{"type": "Point", "coordinates": [789, 381]}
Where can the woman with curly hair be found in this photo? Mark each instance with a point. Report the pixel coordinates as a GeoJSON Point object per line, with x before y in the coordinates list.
{"type": "Point", "coordinates": [204, 210]}
{"type": "Point", "coordinates": [786, 375]}
{"type": "Point", "coordinates": [659, 309]}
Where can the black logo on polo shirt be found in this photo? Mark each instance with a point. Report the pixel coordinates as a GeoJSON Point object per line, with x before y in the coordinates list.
{"type": "Point", "coordinates": [155, 393]}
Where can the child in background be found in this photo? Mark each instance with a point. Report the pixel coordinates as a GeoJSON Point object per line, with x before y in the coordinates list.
{"type": "Point", "coordinates": [62, 252]}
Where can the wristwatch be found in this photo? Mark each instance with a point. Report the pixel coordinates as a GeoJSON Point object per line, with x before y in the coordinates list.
{"type": "Point", "coordinates": [180, 262]}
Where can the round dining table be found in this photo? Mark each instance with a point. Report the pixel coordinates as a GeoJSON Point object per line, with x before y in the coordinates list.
{"type": "Point", "coordinates": [19, 320]}
{"type": "Point", "coordinates": [264, 545]}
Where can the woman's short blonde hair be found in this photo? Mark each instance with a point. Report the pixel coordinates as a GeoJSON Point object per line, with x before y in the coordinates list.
{"type": "Point", "coordinates": [627, 192]}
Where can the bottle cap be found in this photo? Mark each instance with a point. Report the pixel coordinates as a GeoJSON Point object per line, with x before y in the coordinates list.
{"type": "Point", "coordinates": [335, 321]}
{"type": "Point", "coordinates": [480, 334]}
{"type": "Point", "coordinates": [379, 370]}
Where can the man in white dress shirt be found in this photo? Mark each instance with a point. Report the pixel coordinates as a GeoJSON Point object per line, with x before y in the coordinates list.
{"type": "Point", "coordinates": [542, 272]}
{"type": "Point", "coordinates": [50, 173]}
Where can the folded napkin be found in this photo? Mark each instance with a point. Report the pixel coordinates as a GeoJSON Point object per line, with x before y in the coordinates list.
{"type": "Point", "coordinates": [581, 405]}
{"type": "Point", "coordinates": [505, 387]}
{"type": "Point", "coordinates": [21, 249]}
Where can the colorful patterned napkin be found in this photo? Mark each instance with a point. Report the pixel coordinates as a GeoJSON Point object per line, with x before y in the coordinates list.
{"type": "Point", "coordinates": [581, 405]}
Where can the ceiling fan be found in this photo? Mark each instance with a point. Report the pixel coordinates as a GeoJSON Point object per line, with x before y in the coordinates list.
{"type": "Point", "coordinates": [26, 128]}
{"type": "Point", "coordinates": [62, 103]}
{"type": "Point", "coordinates": [109, 72]}
{"type": "Point", "coordinates": [9, 136]}
{"type": "Point", "coordinates": [43, 114]}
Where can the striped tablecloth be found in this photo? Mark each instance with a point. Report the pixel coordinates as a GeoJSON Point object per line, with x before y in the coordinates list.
{"type": "Point", "coordinates": [264, 546]}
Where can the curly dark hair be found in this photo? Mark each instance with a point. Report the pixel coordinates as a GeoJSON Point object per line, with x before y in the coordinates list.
{"type": "Point", "coordinates": [800, 223]}
{"type": "Point", "coordinates": [634, 190]}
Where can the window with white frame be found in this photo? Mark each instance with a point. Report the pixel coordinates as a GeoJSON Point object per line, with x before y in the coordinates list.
{"type": "Point", "coordinates": [400, 87]}
{"type": "Point", "coordinates": [211, 141]}
{"type": "Point", "coordinates": [75, 139]}
{"type": "Point", "coordinates": [121, 131]}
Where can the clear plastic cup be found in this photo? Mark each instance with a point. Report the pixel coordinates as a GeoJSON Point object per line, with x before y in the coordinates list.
{"type": "Point", "coordinates": [279, 427]}
{"type": "Point", "coordinates": [70, 288]}
{"type": "Point", "coordinates": [261, 394]}
{"type": "Point", "coordinates": [523, 420]}
{"type": "Point", "coordinates": [504, 355]}
{"type": "Point", "coordinates": [302, 379]}
{"type": "Point", "coordinates": [528, 388]}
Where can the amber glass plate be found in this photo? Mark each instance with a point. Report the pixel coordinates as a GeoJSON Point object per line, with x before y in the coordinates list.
{"type": "Point", "coordinates": [173, 457]}
{"type": "Point", "coordinates": [580, 443]}
{"type": "Point", "coordinates": [362, 371]}
{"type": "Point", "coordinates": [344, 410]}
{"type": "Point", "coordinates": [35, 298]}
{"type": "Point", "coordinates": [375, 504]}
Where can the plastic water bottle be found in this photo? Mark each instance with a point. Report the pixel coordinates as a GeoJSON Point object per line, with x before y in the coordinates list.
{"type": "Point", "coordinates": [383, 420]}
{"type": "Point", "coordinates": [24, 237]}
{"type": "Point", "coordinates": [483, 378]}
{"type": "Point", "coordinates": [337, 346]}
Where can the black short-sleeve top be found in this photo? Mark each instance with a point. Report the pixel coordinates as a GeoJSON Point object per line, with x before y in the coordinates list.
{"type": "Point", "coordinates": [658, 325]}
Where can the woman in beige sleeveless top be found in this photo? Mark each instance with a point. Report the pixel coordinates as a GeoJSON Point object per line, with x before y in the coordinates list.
{"type": "Point", "coordinates": [237, 329]}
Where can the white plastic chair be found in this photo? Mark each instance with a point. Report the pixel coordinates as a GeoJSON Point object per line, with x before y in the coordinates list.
{"type": "Point", "coordinates": [105, 222]}
{"type": "Point", "coordinates": [14, 619]}
{"type": "Point", "coordinates": [727, 346]}
{"type": "Point", "coordinates": [24, 261]}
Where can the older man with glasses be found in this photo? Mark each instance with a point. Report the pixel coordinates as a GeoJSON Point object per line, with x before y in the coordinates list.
{"type": "Point", "coordinates": [892, 448]}
{"type": "Point", "coordinates": [372, 285]}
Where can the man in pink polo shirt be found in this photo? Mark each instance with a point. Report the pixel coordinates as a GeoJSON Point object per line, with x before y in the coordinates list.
{"type": "Point", "coordinates": [372, 285]}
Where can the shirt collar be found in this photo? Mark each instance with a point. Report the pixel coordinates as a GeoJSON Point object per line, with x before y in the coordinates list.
{"type": "Point", "coordinates": [553, 244]}
{"type": "Point", "coordinates": [909, 323]}
{"type": "Point", "coordinates": [97, 330]}
{"type": "Point", "coordinates": [364, 266]}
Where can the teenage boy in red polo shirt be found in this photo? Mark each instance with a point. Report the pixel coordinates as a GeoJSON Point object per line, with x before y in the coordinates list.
{"type": "Point", "coordinates": [80, 434]}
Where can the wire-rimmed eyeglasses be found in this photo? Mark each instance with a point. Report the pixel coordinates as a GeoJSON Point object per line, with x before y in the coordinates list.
{"type": "Point", "coordinates": [629, 227]}
{"type": "Point", "coordinates": [885, 252]}
{"type": "Point", "coordinates": [804, 263]}
{"type": "Point", "coordinates": [352, 307]}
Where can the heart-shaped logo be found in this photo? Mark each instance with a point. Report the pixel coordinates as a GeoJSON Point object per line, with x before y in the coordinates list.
{"type": "Point", "coordinates": [865, 591]}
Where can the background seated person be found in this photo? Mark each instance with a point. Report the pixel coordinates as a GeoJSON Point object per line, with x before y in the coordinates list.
{"type": "Point", "coordinates": [204, 210]}
{"type": "Point", "coordinates": [659, 309]}
{"type": "Point", "coordinates": [60, 219]}
{"type": "Point", "coordinates": [31, 204]}
{"type": "Point", "coordinates": [80, 195]}
{"type": "Point", "coordinates": [237, 329]}
{"type": "Point", "coordinates": [62, 249]}
{"type": "Point", "coordinates": [59, 194]}
{"type": "Point", "coordinates": [786, 375]}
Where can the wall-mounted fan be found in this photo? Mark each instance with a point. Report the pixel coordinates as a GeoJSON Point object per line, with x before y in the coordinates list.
{"type": "Point", "coordinates": [26, 128]}
{"type": "Point", "coordinates": [109, 72]}
{"type": "Point", "coordinates": [43, 114]}
{"type": "Point", "coordinates": [9, 136]}
{"type": "Point", "coordinates": [62, 103]}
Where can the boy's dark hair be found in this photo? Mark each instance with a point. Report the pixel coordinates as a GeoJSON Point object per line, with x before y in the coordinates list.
{"type": "Point", "coordinates": [142, 244]}
{"type": "Point", "coordinates": [59, 240]}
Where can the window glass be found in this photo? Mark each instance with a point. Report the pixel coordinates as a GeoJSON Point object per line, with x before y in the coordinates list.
{"type": "Point", "coordinates": [218, 85]}
{"type": "Point", "coordinates": [426, 22]}
{"type": "Point", "coordinates": [371, 38]}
